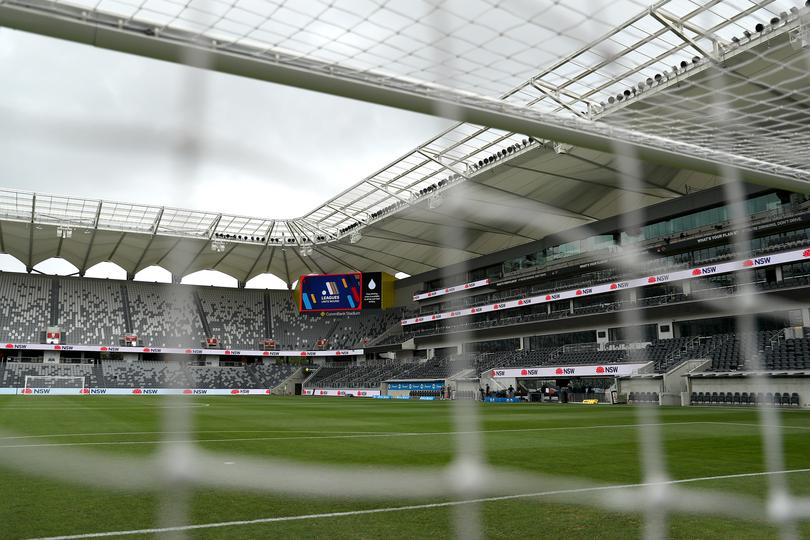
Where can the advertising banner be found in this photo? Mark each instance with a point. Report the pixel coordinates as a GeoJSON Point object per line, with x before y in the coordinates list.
{"type": "Point", "coordinates": [455, 288]}
{"type": "Point", "coordinates": [175, 350]}
{"type": "Point", "coordinates": [331, 292]}
{"type": "Point", "coordinates": [416, 385]}
{"type": "Point", "coordinates": [600, 370]}
{"type": "Point", "coordinates": [137, 391]}
{"type": "Point", "coordinates": [677, 275]}
{"type": "Point", "coordinates": [372, 290]}
{"type": "Point", "coordinates": [356, 392]}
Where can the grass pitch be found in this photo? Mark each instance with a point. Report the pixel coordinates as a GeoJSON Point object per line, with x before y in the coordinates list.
{"type": "Point", "coordinates": [598, 444]}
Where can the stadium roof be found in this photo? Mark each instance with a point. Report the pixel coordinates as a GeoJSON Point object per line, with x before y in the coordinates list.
{"type": "Point", "coordinates": [683, 84]}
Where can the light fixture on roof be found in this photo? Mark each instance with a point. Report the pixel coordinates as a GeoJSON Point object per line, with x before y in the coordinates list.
{"type": "Point", "coordinates": [218, 246]}
{"type": "Point", "coordinates": [355, 237]}
{"type": "Point", "coordinates": [562, 148]}
{"type": "Point", "coordinates": [799, 37]}
{"type": "Point", "coordinates": [64, 231]}
{"type": "Point", "coordinates": [306, 251]}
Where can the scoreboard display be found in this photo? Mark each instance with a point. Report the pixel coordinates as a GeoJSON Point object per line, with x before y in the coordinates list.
{"type": "Point", "coordinates": [348, 292]}
{"type": "Point", "coordinates": [331, 292]}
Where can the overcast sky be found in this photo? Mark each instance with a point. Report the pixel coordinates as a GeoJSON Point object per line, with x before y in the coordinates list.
{"type": "Point", "coordinates": [78, 120]}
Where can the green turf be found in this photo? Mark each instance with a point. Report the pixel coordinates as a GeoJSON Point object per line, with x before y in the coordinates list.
{"type": "Point", "coordinates": [698, 442]}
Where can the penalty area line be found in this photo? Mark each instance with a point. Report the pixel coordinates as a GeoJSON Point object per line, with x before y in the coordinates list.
{"type": "Point", "coordinates": [426, 506]}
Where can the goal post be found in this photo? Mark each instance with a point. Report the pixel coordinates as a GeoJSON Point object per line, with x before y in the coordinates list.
{"type": "Point", "coordinates": [53, 381]}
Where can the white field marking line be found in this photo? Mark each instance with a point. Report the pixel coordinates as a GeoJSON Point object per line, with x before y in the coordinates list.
{"type": "Point", "coordinates": [355, 436]}
{"type": "Point", "coordinates": [418, 506]}
{"type": "Point", "coordinates": [374, 433]}
{"type": "Point", "coordinates": [103, 434]}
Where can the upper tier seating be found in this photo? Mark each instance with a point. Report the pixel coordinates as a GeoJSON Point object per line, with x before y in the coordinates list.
{"type": "Point", "coordinates": [235, 316]}
{"type": "Point", "coordinates": [164, 315]}
{"type": "Point", "coordinates": [25, 307]}
{"type": "Point", "coordinates": [91, 311]}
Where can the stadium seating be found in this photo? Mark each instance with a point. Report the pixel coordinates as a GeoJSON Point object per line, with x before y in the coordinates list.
{"type": "Point", "coordinates": [322, 374]}
{"type": "Point", "coordinates": [363, 376]}
{"type": "Point", "coordinates": [144, 374]}
{"type": "Point", "coordinates": [15, 373]}
{"type": "Point", "coordinates": [269, 376]}
{"type": "Point", "coordinates": [164, 315]}
{"type": "Point", "coordinates": [735, 399]}
{"type": "Point", "coordinates": [25, 308]}
{"type": "Point", "coordinates": [151, 374]}
{"type": "Point", "coordinates": [236, 317]}
{"type": "Point", "coordinates": [91, 311]}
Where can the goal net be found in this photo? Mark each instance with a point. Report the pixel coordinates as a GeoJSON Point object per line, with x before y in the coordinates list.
{"type": "Point", "coordinates": [566, 114]}
{"type": "Point", "coordinates": [53, 381]}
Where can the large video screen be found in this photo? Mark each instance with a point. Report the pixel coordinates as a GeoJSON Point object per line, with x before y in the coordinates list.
{"type": "Point", "coordinates": [331, 292]}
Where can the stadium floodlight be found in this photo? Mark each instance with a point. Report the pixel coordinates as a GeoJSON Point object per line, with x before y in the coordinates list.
{"type": "Point", "coordinates": [64, 232]}
{"type": "Point", "coordinates": [800, 37]}
{"type": "Point", "coordinates": [355, 237]}
{"type": "Point", "coordinates": [218, 246]}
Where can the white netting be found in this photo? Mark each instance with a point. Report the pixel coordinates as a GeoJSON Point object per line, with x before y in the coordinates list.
{"type": "Point", "coordinates": [739, 103]}
{"type": "Point", "coordinates": [649, 75]}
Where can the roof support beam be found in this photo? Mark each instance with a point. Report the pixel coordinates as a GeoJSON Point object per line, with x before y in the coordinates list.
{"type": "Point", "coordinates": [197, 255]}
{"type": "Point", "coordinates": [116, 246]}
{"type": "Point", "coordinates": [306, 224]}
{"type": "Point", "coordinates": [391, 236]}
{"type": "Point", "coordinates": [689, 25]}
{"type": "Point", "coordinates": [304, 262]}
{"type": "Point", "coordinates": [143, 254]}
{"type": "Point", "coordinates": [677, 29]}
{"type": "Point", "coordinates": [347, 252]}
{"type": "Point", "coordinates": [29, 265]}
{"type": "Point", "coordinates": [286, 268]}
{"type": "Point", "coordinates": [222, 258]}
{"type": "Point", "coordinates": [212, 229]}
{"type": "Point", "coordinates": [83, 267]}
{"type": "Point", "coordinates": [555, 97]}
{"type": "Point", "coordinates": [441, 164]}
{"type": "Point", "coordinates": [168, 251]}
{"type": "Point", "coordinates": [154, 229]}
{"type": "Point", "coordinates": [545, 207]}
{"type": "Point", "coordinates": [348, 249]}
{"type": "Point", "coordinates": [261, 252]}
{"type": "Point", "coordinates": [597, 183]}
{"type": "Point", "coordinates": [321, 250]}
